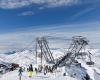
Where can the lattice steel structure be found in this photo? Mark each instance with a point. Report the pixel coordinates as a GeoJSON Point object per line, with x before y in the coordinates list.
{"type": "Point", "coordinates": [78, 43]}
{"type": "Point", "coordinates": [42, 45]}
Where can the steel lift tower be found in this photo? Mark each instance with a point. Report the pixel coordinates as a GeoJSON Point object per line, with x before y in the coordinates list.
{"type": "Point", "coordinates": [42, 45]}
{"type": "Point", "coordinates": [78, 43]}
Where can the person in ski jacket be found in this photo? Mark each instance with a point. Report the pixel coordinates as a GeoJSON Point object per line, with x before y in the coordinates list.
{"type": "Point", "coordinates": [30, 71]}
{"type": "Point", "coordinates": [45, 69]}
{"type": "Point", "coordinates": [20, 72]}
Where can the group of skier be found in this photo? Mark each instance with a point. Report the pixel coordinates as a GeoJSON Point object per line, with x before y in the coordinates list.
{"type": "Point", "coordinates": [40, 69]}
{"type": "Point", "coordinates": [29, 70]}
{"type": "Point", "coordinates": [45, 69]}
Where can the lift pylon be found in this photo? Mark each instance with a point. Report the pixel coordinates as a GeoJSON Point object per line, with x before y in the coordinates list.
{"type": "Point", "coordinates": [42, 45]}
{"type": "Point", "coordinates": [78, 43]}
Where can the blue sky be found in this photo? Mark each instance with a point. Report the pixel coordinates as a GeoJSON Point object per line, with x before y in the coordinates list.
{"type": "Point", "coordinates": [21, 21]}
{"type": "Point", "coordinates": [35, 15]}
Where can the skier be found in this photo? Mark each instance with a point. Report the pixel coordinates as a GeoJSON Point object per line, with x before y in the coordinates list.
{"type": "Point", "coordinates": [36, 70]}
{"type": "Point", "coordinates": [30, 71]}
{"type": "Point", "coordinates": [45, 69]}
{"type": "Point", "coordinates": [20, 72]}
{"type": "Point", "coordinates": [40, 67]}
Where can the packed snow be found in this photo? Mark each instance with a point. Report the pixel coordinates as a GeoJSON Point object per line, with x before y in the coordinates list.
{"type": "Point", "coordinates": [74, 72]}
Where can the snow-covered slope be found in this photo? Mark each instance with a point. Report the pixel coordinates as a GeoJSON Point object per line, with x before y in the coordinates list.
{"type": "Point", "coordinates": [21, 58]}
{"type": "Point", "coordinates": [73, 73]}
{"type": "Point", "coordinates": [14, 76]}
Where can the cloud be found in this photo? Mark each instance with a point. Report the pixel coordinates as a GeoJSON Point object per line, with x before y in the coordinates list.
{"type": "Point", "coordinates": [41, 8]}
{"type": "Point", "coordinates": [58, 36]}
{"type": "Point", "coordinates": [10, 4]}
{"type": "Point", "coordinates": [85, 11]}
{"type": "Point", "coordinates": [90, 1]}
{"type": "Point", "coordinates": [27, 13]}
